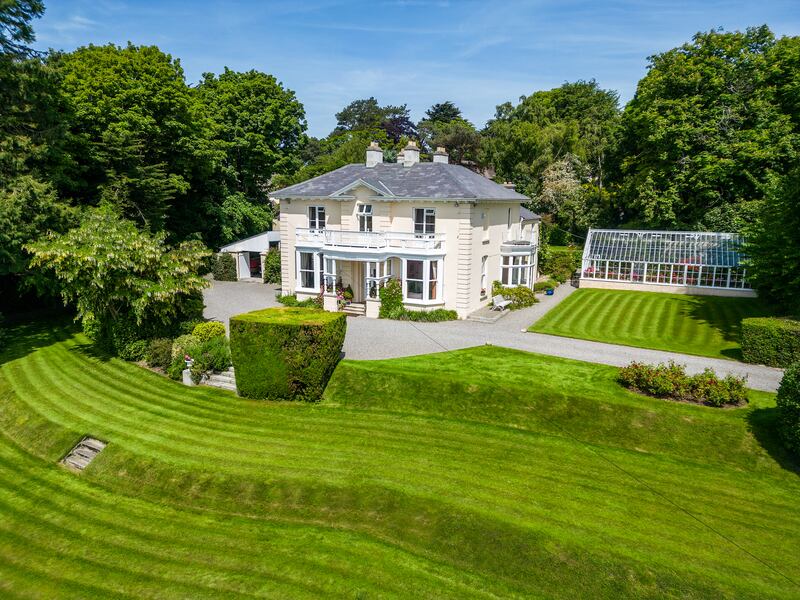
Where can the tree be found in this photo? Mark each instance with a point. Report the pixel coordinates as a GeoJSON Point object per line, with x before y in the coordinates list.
{"type": "Point", "coordinates": [368, 115]}
{"type": "Point", "coordinates": [555, 146]}
{"type": "Point", "coordinates": [29, 209]}
{"type": "Point", "coordinates": [260, 123]}
{"type": "Point", "coordinates": [134, 130]}
{"type": "Point", "coordinates": [443, 112]}
{"type": "Point", "coordinates": [458, 136]}
{"type": "Point", "coordinates": [112, 272]}
{"type": "Point", "coordinates": [16, 30]}
{"type": "Point", "coordinates": [773, 244]}
{"type": "Point", "coordinates": [705, 130]}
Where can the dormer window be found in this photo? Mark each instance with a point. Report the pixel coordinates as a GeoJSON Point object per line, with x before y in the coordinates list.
{"type": "Point", "coordinates": [365, 217]}
{"type": "Point", "coordinates": [316, 217]}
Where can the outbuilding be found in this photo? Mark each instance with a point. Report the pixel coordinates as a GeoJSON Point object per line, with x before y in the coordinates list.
{"type": "Point", "coordinates": [682, 262]}
{"type": "Point", "coordinates": [251, 252]}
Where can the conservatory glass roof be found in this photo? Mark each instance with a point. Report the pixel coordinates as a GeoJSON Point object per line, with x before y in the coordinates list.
{"type": "Point", "coordinates": [677, 247]}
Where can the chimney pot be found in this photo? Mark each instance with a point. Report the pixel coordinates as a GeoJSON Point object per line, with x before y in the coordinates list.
{"type": "Point", "coordinates": [374, 154]}
{"type": "Point", "coordinates": [441, 156]}
{"type": "Point", "coordinates": [410, 154]}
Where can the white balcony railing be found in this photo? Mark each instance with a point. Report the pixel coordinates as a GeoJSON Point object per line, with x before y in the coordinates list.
{"type": "Point", "coordinates": [377, 240]}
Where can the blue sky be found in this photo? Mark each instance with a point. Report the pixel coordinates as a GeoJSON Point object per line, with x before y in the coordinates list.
{"type": "Point", "coordinates": [477, 54]}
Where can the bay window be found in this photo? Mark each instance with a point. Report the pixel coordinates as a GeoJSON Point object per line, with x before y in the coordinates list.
{"type": "Point", "coordinates": [422, 281]}
{"type": "Point", "coordinates": [306, 270]}
{"type": "Point", "coordinates": [516, 270]}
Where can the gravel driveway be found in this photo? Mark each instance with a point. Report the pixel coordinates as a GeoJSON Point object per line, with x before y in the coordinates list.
{"type": "Point", "coordinates": [372, 339]}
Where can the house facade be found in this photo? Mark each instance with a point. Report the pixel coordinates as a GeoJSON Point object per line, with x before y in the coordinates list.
{"type": "Point", "coordinates": [444, 232]}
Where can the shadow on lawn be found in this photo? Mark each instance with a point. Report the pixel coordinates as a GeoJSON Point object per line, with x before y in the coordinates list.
{"type": "Point", "coordinates": [725, 315]}
{"type": "Point", "coordinates": [763, 424]}
{"type": "Point", "coordinates": [25, 338]}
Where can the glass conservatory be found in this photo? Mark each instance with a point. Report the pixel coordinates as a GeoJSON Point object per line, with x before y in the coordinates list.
{"type": "Point", "coordinates": [666, 258]}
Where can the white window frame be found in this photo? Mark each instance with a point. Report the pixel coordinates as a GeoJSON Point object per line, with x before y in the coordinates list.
{"type": "Point", "coordinates": [314, 221]}
{"type": "Point", "coordinates": [426, 280]}
{"type": "Point", "coordinates": [424, 229]}
{"type": "Point", "coordinates": [315, 269]}
{"type": "Point", "coordinates": [364, 212]}
{"type": "Point", "coordinates": [484, 275]}
{"type": "Point", "coordinates": [515, 270]}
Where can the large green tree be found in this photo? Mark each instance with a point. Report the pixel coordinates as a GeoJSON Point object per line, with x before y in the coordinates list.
{"type": "Point", "coordinates": [562, 134]}
{"type": "Point", "coordinates": [133, 129]}
{"type": "Point", "coordinates": [443, 126]}
{"type": "Point", "coordinates": [259, 127]}
{"type": "Point", "coordinates": [368, 115]}
{"type": "Point", "coordinates": [774, 244]}
{"type": "Point", "coordinates": [706, 129]}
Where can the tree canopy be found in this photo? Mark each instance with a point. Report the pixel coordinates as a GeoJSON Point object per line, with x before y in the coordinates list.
{"type": "Point", "coordinates": [706, 128]}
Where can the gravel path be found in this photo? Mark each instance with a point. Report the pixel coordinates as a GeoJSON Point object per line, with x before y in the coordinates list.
{"type": "Point", "coordinates": [373, 339]}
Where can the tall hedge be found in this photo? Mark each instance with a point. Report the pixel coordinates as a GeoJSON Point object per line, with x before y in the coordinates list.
{"type": "Point", "coordinates": [286, 353]}
{"type": "Point", "coordinates": [788, 401]}
{"type": "Point", "coordinates": [224, 267]}
{"type": "Point", "coordinates": [771, 341]}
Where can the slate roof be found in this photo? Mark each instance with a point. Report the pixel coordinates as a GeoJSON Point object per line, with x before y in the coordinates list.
{"type": "Point", "coordinates": [393, 180]}
{"type": "Point", "coordinates": [527, 214]}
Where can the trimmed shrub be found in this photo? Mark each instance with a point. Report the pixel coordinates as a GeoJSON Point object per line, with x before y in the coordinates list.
{"type": "Point", "coordinates": [520, 296]}
{"type": "Point", "coordinates": [788, 401]}
{"type": "Point", "coordinates": [224, 267]}
{"type": "Point", "coordinates": [272, 266]}
{"type": "Point", "coordinates": [671, 381]}
{"type": "Point", "coordinates": [391, 296]}
{"type": "Point", "coordinates": [176, 367]}
{"type": "Point", "coordinates": [207, 330]}
{"type": "Point", "coordinates": [134, 351]}
{"type": "Point", "coordinates": [429, 316]}
{"type": "Point", "coordinates": [209, 355]}
{"type": "Point", "coordinates": [292, 301]}
{"type": "Point", "coordinates": [286, 353]}
{"type": "Point", "coordinates": [181, 345]}
{"type": "Point", "coordinates": [771, 341]}
{"type": "Point", "coordinates": [159, 353]}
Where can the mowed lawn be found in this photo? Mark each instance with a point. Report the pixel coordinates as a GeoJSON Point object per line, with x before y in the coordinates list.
{"type": "Point", "coordinates": [703, 325]}
{"type": "Point", "coordinates": [480, 473]}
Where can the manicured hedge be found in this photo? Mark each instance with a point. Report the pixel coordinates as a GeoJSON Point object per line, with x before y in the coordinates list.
{"type": "Point", "coordinates": [224, 267]}
{"type": "Point", "coordinates": [788, 401]}
{"type": "Point", "coordinates": [286, 353]}
{"type": "Point", "coordinates": [771, 341]}
{"type": "Point", "coordinates": [272, 266]}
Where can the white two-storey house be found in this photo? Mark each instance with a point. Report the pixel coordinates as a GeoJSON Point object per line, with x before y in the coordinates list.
{"type": "Point", "coordinates": [445, 232]}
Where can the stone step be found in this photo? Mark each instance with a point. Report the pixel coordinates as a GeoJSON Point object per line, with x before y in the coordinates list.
{"type": "Point", "coordinates": [83, 453]}
{"type": "Point", "coordinates": [224, 377]}
{"type": "Point", "coordinates": [221, 385]}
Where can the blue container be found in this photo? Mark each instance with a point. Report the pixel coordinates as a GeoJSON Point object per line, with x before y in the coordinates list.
{"type": "Point", "coordinates": [549, 292]}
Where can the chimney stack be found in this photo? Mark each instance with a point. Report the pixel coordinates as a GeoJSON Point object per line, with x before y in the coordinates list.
{"type": "Point", "coordinates": [441, 156]}
{"type": "Point", "coordinates": [374, 154]}
{"type": "Point", "coordinates": [410, 154]}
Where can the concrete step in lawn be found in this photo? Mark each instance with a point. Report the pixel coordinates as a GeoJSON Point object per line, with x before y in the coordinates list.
{"type": "Point", "coordinates": [83, 453]}
{"type": "Point", "coordinates": [355, 309]}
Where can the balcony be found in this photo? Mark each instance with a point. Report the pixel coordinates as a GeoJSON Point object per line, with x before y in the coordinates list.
{"type": "Point", "coordinates": [369, 241]}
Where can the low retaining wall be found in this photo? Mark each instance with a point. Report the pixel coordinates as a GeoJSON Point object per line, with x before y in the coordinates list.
{"type": "Point", "coordinates": [665, 289]}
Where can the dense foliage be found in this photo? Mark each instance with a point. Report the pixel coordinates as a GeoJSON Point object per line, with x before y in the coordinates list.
{"type": "Point", "coordinates": [671, 381]}
{"type": "Point", "coordinates": [208, 329]}
{"type": "Point", "coordinates": [223, 267]}
{"type": "Point", "coordinates": [125, 284]}
{"type": "Point", "coordinates": [770, 341]}
{"type": "Point", "coordinates": [272, 266]}
{"type": "Point", "coordinates": [391, 296]}
{"type": "Point", "coordinates": [286, 353]}
{"type": "Point", "coordinates": [788, 401]}
{"type": "Point", "coordinates": [774, 244]}
{"type": "Point", "coordinates": [520, 296]}
{"type": "Point", "coordinates": [709, 124]}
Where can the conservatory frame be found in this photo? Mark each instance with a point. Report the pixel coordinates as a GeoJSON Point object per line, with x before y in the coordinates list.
{"type": "Point", "coordinates": [678, 261]}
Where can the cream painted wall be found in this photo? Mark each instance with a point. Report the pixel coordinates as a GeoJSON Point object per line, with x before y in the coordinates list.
{"type": "Point", "coordinates": [467, 239]}
{"type": "Point", "coordinates": [666, 289]}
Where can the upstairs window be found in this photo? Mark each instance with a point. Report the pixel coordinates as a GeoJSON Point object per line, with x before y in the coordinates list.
{"type": "Point", "coordinates": [316, 217]}
{"type": "Point", "coordinates": [424, 220]}
{"type": "Point", "coordinates": [365, 217]}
